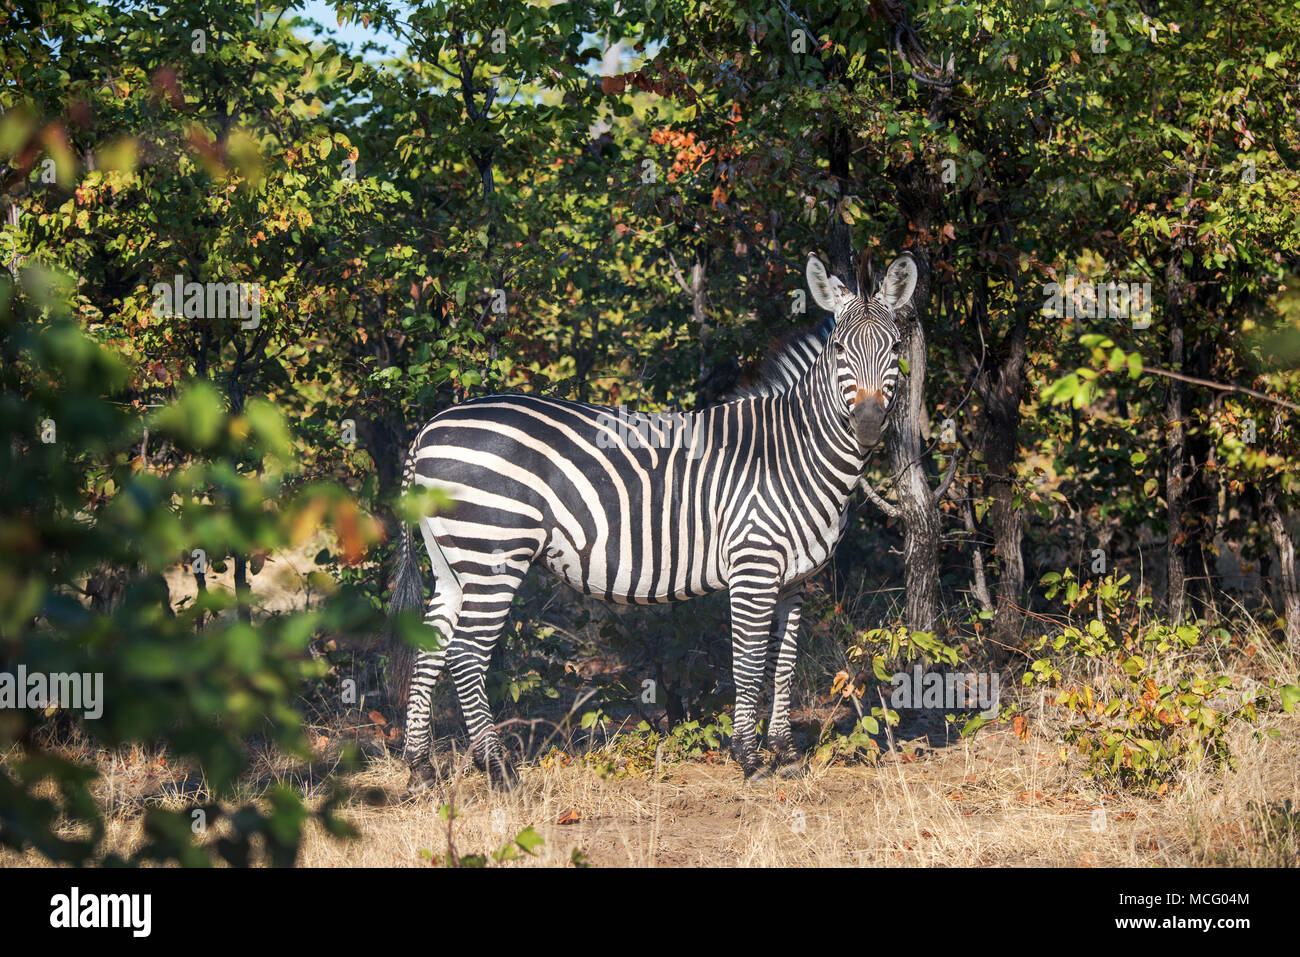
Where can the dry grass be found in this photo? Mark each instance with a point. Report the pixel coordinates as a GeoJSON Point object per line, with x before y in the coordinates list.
{"type": "Point", "coordinates": [932, 800]}
{"type": "Point", "coordinates": [998, 801]}
{"type": "Point", "coordinates": [994, 801]}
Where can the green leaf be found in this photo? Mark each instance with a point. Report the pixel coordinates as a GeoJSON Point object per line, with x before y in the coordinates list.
{"type": "Point", "coordinates": [529, 840]}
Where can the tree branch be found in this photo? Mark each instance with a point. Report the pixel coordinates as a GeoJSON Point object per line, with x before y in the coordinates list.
{"type": "Point", "coordinates": [1222, 387]}
{"type": "Point", "coordinates": [681, 280]}
{"type": "Point", "coordinates": [946, 481]}
{"type": "Point", "coordinates": [893, 511]}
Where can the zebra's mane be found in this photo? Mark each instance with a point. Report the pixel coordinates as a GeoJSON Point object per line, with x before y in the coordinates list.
{"type": "Point", "coordinates": [786, 362]}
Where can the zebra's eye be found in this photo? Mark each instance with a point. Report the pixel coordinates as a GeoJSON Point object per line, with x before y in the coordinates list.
{"type": "Point", "coordinates": [896, 347]}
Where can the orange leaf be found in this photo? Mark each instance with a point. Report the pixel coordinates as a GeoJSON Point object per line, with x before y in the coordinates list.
{"type": "Point", "coordinates": [308, 520]}
{"type": "Point", "coordinates": [572, 817]}
{"type": "Point", "coordinates": [377, 718]}
{"type": "Point", "coordinates": [348, 527]}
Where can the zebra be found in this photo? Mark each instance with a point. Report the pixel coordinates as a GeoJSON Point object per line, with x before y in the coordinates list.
{"type": "Point", "coordinates": [791, 357]}
{"type": "Point", "coordinates": [750, 496]}
{"type": "Point", "coordinates": [786, 363]}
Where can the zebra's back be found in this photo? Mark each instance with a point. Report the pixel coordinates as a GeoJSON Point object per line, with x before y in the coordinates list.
{"type": "Point", "coordinates": [628, 508]}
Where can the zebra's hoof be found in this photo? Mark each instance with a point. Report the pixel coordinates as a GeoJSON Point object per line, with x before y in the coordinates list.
{"type": "Point", "coordinates": [421, 779]}
{"type": "Point", "coordinates": [756, 775]}
{"type": "Point", "coordinates": [786, 758]}
{"type": "Point", "coordinates": [793, 768]}
{"type": "Point", "coordinates": [502, 775]}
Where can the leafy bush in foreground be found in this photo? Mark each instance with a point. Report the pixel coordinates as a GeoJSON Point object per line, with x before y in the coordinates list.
{"type": "Point", "coordinates": [200, 680]}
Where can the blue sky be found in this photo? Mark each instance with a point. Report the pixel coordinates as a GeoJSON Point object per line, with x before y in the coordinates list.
{"type": "Point", "coordinates": [351, 34]}
{"type": "Point", "coordinates": [354, 34]}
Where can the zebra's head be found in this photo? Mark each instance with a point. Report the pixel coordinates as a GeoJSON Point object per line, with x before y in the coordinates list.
{"type": "Point", "coordinates": [866, 341]}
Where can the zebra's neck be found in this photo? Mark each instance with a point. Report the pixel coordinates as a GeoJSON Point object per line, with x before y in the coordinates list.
{"type": "Point", "coordinates": [788, 362]}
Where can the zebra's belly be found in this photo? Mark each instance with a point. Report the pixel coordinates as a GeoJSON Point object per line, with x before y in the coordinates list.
{"type": "Point", "coordinates": [597, 577]}
{"type": "Point", "coordinates": [805, 563]}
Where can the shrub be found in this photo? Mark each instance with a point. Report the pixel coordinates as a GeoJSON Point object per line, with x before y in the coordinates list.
{"type": "Point", "coordinates": [1152, 699]}
{"type": "Point", "coordinates": [199, 680]}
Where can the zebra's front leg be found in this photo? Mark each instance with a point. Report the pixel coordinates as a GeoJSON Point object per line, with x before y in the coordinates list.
{"type": "Point", "coordinates": [784, 642]}
{"type": "Point", "coordinates": [752, 610]}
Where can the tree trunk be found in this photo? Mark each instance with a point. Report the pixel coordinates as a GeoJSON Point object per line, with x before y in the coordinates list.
{"type": "Point", "coordinates": [1001, 448]}
{"type": "Point", "coordinates": [1001, 390]}
{"type": "Point", "coordinates": [1276, 518]}
{"type": "Point", "coordinates": [381, 424]}
{"type": "Point", "coordinates": [839, 240]}
{"type": "Point", "coordinates": [243, 591]}
{"type": "Point", "coordinates": [1200, 520]}
{"type": "Point", "coordinates": [979, 582]}
{"type": "Point", "coordinates": [1175, 444]}
{"type": "Point", "coordinates": [906, 447]}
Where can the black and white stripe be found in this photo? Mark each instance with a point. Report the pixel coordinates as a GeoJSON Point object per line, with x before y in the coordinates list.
{"type": "Point", "coordinates": [787, 362]}
{"type": "Point", "coordinates": [751, 496]}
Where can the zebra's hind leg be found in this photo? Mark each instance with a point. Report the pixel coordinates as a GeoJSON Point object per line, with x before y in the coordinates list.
{"type": "Point", "coordinates": [788, 760]}
{"type": "Point", "coordinates": [752, 608]}
{"type": "Point", "coordinates": [417, 749]}
{"type": "Point", "coordinates": [441, 617]}
{"type": "Point", "coordinates": [483, 616]}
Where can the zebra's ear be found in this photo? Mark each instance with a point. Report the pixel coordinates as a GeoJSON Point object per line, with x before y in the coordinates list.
{"type": "Point", "coordinates": [829, 292]}
{"type": "Point", "coordinates": [900, 282]}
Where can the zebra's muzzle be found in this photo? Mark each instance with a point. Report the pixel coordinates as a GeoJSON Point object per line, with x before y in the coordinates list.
{"type": "Point", "coordinates": [868, 418]}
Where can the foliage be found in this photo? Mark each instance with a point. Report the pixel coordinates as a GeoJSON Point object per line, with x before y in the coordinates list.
{"type": "Point", "coordinates": [198, 679]}
{"type": "Point", "coordinates": [524, 844]}
{"type": "Point", "coordinates": [614, 202]}
{"type": "Point", "coordinates": [644, 749]}
{"type": "Point", "coordinates": [861, 740]}
{"type": "Point", "coordinates": [1151, 700]}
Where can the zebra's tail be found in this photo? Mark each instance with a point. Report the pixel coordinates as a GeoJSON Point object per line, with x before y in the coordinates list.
{"type": "Point", "coordinates": [407, 593]}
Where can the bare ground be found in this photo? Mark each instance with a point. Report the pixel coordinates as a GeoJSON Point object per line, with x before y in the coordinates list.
{"type": "Point", "coordinates": [994, 801]}
{"type": "Point", "coordinates": [933, 799]}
